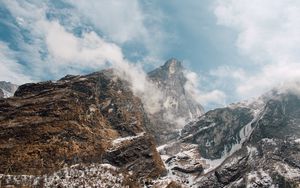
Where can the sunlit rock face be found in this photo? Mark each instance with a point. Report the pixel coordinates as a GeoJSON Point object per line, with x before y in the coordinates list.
{"type": "Point", "coordinates": [177, 106]}
{"type": "Point", "coordinates": [7, 89]}
{"type": "Point", "coordinates": [49, 127]}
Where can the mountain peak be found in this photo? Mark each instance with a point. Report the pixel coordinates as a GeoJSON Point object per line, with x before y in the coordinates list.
{"type": "Point", "coordinates": [172, 69]}
{"type": "Point", "coordinates": [173, 65]}
{"type": "Point", "coordinates": [177, 106]}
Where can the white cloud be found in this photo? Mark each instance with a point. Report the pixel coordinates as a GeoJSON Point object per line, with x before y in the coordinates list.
{"type": "Point", "coordinates": [67, 52]}
{"type": "Point", "coordinates": [268, 32]}
{"type": "Point", "coordinates": [290, 87]}
{"type": "Point", "coordinates": [228, 72]}
{"type": "Point", "coordinates": [212, 97]}
{"type": "Point", "coordinates": [90, 50]}
{"type": "Point", "coordinates": [270, 76]}
{"type": "Point", "coordinates": [10, 70]}
{"type": "Point", "coordinates": [124, 21]}
{"type": "Point", "coordinates": [120, 20]}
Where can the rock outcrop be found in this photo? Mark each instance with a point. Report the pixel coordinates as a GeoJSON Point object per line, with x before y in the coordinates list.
{"type": "Point", "coordinates": [77, 120]}
{"type": "Point", "coordinates": [177, 106]}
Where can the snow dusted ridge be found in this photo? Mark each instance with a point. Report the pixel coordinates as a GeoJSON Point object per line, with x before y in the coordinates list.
{"type": "Point", "coordinates": [93, 175]}
{"type": "Point", "coordinates": [259, 177]}
{"type": "Point", "coordinates": [7, 94]}
{"type": "Point", "coordinates": [120, 141]}
{"type": "Point", "coordinates": [183, 158]}
{"type": "Point", "coordinates": [184, 166]}
{"type": "Point", "coordinates": [244, 134]}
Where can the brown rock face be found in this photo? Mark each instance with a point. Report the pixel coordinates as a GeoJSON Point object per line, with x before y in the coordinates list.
{"type": "Point", "coordinates": [78, 119]}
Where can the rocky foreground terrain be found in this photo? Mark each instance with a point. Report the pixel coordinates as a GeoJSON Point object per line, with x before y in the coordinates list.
{"type": "Point", "coordinates": [91, 131]}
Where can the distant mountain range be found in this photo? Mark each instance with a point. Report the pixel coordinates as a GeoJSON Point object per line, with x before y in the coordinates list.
{"type": "Point", "coordinates": [92, 131]}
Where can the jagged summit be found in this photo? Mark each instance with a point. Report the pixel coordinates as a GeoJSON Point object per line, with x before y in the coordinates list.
{"type": "Point", "coordinates": [173, 65]}
{"type": "Point", "coordinates": [172, 69]}
{"type": "Point", "coordinates": [177, 106]}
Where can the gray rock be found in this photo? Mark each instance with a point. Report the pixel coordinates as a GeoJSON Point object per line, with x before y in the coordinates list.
{"type": "Point", "coordinates": [177, 106]}
{"type": "Point", "coordinates": [7, 89]}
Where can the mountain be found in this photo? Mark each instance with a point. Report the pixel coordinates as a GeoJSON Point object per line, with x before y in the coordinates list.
{"type": "Point", "coordinates": [77, 131]}
{"type": "Point", "coordinates": [177, 106]}
{"type": "Point", "coordinates": [92, 131]}
{"type": "Point", "coordinates": [248, 144]}
{"type": "Point", "coordinates": [7, 89]}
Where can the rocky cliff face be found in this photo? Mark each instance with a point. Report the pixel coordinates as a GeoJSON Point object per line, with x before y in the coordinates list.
{"type": "Point", "coordinates": [271, 155]}
{"type": "Point", "coordinates": [244, 145]}
{"type": "Point", "coordinates": [219, 130]}
{"type": "Point", "coordinates": [177, 106]}
{"type": "Point", "coordinates": [7, 89]}
{"type": "Point", "coordinates": [90, 121]}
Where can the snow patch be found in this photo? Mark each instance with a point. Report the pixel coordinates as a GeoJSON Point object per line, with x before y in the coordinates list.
{"type": "Point", "coordinates": [244, 134]}
{"type": "Point", "coordinates": [252, 150]}
{"type": "Point", "coordinates": [7, 93]}
{"type": "Point", "coordinates": [269, 141]}
{"type": "Point", "coordinates": [259, 177]}
{"type": "Point", "coordinates": [297, 140]}
{"type": "Point", "coordinates": [287, 171]}
{"type": "Point", "coordinates": [79, 175]}
{"type": "Point", "coordinates": [170, 103]}
{"type": "Point", "coordinates": [119, 141]}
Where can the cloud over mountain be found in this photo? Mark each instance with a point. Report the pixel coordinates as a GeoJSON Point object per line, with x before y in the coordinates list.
{"type": "Point", "coordinates": [267, 32]}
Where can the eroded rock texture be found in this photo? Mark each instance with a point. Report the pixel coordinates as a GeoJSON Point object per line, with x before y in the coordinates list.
{"type": "Point", "coordinates": [77, 120]}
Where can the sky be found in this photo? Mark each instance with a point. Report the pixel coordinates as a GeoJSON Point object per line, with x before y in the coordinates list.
{"type": "Point", "coordinates": [233, 49]}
